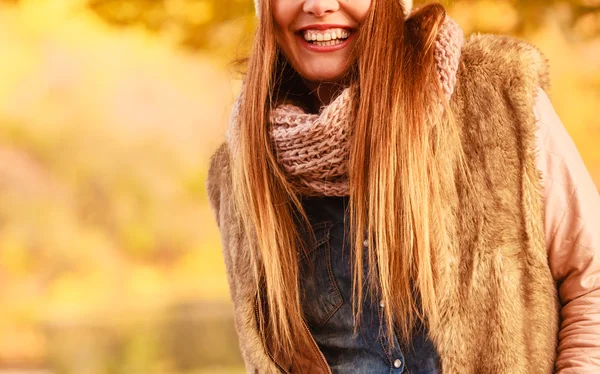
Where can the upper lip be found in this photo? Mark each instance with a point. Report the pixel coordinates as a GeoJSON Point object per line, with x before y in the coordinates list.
{"type": "Point", "coordinates": [324, 26]}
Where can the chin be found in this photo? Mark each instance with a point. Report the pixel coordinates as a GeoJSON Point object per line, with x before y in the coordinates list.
{"type": "Point", "coordinates": [321, 75]}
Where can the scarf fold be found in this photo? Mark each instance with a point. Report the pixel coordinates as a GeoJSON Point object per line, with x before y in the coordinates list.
{"type": "Point", "coordinates": [313, 149]}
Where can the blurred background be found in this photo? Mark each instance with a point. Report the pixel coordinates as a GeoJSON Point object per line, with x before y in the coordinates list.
{"type": "Point", "coordinates": [110, 260]}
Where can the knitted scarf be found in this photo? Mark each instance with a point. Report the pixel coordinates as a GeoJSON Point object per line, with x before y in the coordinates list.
{"type": "Point", "coordinates": [313, 149]}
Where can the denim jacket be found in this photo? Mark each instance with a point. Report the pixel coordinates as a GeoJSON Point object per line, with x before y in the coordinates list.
{"type": "Point", "coordinates": [326, 290]}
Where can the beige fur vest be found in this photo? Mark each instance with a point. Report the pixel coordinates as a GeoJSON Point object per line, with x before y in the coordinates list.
{"type": "Point", "coordinates": [499, 305]}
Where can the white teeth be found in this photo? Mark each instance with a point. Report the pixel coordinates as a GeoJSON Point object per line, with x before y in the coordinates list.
{"type": "Point", "coordinates": [325, 35]}
{"type": "Point", "coordinates": [330, 42]}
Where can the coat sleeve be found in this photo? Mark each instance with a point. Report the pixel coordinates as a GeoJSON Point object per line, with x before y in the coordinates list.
{"type": "Point", "coordinates": [572, 231]}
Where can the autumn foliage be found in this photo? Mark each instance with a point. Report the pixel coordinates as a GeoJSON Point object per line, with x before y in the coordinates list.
{"type": "Point", "coordinates": [109, 109]}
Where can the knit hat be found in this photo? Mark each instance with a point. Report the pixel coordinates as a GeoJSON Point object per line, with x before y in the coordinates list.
{"type": "Point", "coordinates": [406, 6]}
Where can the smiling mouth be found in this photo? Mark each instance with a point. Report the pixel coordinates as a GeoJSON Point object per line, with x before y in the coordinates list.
{"type": "Point", "coordinates": [326, 37]}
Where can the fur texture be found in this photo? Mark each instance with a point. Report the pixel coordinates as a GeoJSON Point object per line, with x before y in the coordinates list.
{"type": "Point", "coordinates": [498, 300]}
{"type": "Point", "coordinates": [499, 303]}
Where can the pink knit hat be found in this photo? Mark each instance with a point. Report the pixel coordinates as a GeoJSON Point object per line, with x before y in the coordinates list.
{"type": "Point", "coordinates": [406, 6]}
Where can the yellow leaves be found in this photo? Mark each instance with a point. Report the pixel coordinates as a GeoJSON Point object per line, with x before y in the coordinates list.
{"type": "Point", "coordinates": [105, 134]}
{"type": "Point", "coordinates": [41, 16]}
{"type": "Point", "coordinates": [198, 273]}
{"type": "Point", "coordinates": [78, 293]}
{"type": "Point", "coordinates": [21, 343]}
{"type": "Point", "coordinates": [591, 3]}
{"type": "Point", "coordinates": [574, 65]}
{"type": "Point", "coordinates": [588, 25]}
{"type": "Point", "coordinates": [137, 238]}
{"type": "Point", "coordinates": [196, 12]}
{"type": "Point", "coordinates": [486, 16]}
{"type": "Point", "coordinates": [146, 285]}
{"type": "Point", "coordinates": [14, 257]}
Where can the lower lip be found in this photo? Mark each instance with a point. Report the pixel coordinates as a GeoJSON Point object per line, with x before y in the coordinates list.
{"type": "Point", "coordinates": [324, 48]}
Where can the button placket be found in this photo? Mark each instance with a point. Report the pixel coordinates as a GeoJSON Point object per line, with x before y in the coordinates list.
{"type": "Point", "coordinates": [395, 356]}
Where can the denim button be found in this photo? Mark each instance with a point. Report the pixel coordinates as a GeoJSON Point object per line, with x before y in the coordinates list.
{"type": "Point", "coordinates": [397, 363]}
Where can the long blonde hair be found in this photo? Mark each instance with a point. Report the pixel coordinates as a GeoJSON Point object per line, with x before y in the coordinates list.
{"type": "Point", "coordinates": [395, 187]}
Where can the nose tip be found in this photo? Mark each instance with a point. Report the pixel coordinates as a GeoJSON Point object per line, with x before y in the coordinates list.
{"type": "Point", "coordinates": [319, 8]}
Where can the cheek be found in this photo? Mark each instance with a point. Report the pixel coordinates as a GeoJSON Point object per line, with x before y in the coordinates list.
{"type": "Point", "coordinates": [359, 9]}
{"type": "Point", "coordinates": [283, 13]}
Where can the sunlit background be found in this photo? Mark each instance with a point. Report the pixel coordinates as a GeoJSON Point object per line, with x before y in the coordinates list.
{"type": "Point", "coordinates": [110, 260]}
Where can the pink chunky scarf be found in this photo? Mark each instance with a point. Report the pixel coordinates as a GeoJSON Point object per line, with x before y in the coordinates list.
{"type": "Point", "coordinates": [313, 149]}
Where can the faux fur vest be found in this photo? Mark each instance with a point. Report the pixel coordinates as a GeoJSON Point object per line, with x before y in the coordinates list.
{"type": "Point", "coordinates": [498, 301]}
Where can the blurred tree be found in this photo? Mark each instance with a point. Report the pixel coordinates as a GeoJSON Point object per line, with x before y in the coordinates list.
{"type": "Point", "coordinates": [207, 24]}
{"type": "Point", "coordinates": [195, 21]}
{"type": "Point", "coordinates": [529, 14]}
{"type": "Point", "coordinates": [108, 251]}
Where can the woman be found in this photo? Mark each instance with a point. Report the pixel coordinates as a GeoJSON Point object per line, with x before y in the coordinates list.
{"type": "Point", "coordinates": [394, 198]}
